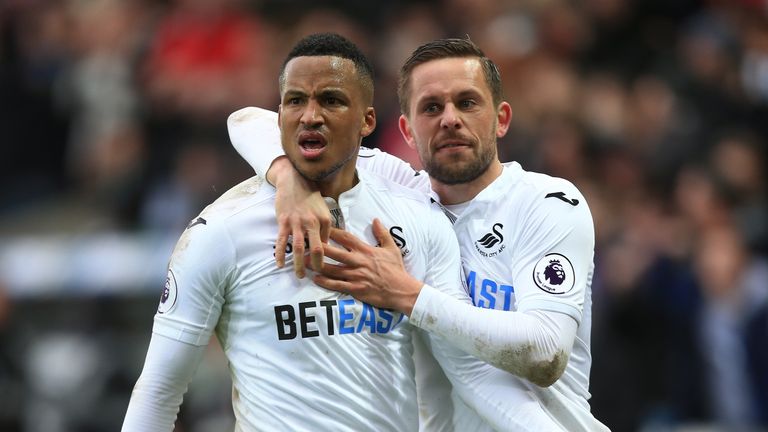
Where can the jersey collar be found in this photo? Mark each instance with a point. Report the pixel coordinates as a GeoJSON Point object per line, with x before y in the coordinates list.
{"type": "Point", "coordinates": [511, 173]}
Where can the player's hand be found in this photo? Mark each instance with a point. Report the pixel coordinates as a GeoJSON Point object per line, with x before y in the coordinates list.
{"type": "Point", "coordinates": [301, 214]}
{"type": "Point", "coordinates": [374, 275]}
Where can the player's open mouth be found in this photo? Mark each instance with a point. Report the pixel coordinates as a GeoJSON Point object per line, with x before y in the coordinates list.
{"type": "Point", "coordinates": [312, 144]}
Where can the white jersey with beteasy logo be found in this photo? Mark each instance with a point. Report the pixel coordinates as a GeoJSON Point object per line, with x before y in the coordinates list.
{"type": "Point", "coordinates": [302, 357]}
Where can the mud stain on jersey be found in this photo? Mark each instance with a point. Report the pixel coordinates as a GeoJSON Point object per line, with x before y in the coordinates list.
{"type": "Point", "coordinates": [244, 189]}
{"type": "Point", "coordinates": [430, 320]}
{"type": "Point", "coordinates": [230, 199]}
{"type": "Point", "coordinates": [515, 359]}
{"type": "Point", "coordinates": [522, 361]}
{"type": "Point", "coordinates": [182, 244]}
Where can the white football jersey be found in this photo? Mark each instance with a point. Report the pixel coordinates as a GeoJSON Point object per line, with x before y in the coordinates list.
{"type": "Point", "coordinates": [527, 243]}
{"type": "Point", "coordinates": [302, 357]}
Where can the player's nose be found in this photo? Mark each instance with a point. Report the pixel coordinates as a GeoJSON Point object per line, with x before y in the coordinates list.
{"type": "Point", "coordinates": [451, 118]}
{"type": "Point", "coordinates": [311, 116]}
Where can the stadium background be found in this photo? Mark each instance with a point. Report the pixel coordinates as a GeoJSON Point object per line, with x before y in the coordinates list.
{"type": "Point", "coordinates": [113, 136]}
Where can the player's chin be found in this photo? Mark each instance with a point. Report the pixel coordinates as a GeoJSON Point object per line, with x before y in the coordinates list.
{"type": "Point", "coordinates": [313, 172]}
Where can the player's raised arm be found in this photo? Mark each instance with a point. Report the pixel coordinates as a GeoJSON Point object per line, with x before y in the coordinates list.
{"type": "Point", "coordinates": [300, 209]}
{"type": "Point", "coordinates": [255, 135]}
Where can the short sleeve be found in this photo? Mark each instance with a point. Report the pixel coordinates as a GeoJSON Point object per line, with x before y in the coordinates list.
{"type": "Point", "coordinates": [198, 274]}
{"type": "Point", "coordinates": [554, 261]}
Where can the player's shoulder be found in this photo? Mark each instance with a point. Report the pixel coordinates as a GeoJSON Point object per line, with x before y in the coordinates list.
{"type": "Point", "coordinates": [534, 196]}
{"type": "Point", "coordinates": [535, 187]}
{"type": "Point", "coordinates": [252, 194]}
{"type": "Point", "coordinates": [209, 239]}
{"type": "Point", "coordinates": [534, 183]}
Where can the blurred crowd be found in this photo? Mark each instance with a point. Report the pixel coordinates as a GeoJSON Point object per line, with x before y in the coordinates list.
{"type": "Point", "coordinates": [113, 119]}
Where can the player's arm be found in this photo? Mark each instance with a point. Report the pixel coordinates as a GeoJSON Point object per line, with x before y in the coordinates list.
{"type": "Point", "coordinates": [534, 344]}
{"type": "Point", "coordinates": [300, 209]}
{"type": "Point", "coordinates": [157, 395]}
{"type": "Point", "coordinates": [507, 406]}
{"type": "Point", "coordinates": [200, 269]}
{"type": "Point", "coordinates": [256, 137]}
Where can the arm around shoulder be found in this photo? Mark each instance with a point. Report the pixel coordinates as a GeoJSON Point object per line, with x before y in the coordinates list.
{"type": "Point", "coordinates": [533, 345]}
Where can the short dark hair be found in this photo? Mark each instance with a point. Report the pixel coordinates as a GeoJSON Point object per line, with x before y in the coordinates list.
{"type": "Point", "coordinates": [332, 44]}
{"type": "Point", "coordinates": [447, 48]}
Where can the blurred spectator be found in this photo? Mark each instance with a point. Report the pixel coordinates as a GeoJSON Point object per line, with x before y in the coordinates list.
{"type": "Point", "coordinates": [702, 198]}
{"type": "Point", "coordinates": [191, 186]}
{"type": "Point", "coordinates": [739, 160]}
{"type": "Point", "coordinates": [643, 342]}
{"type": "Point", "coordinates": [754, 67]}
{"type": "Point", "coordinates": [734, 292]}
{"type": "Point", "coordinates": [33, 53]}
{"type": "Point", "coordinates": [106, 149]}
{"type": "Point", "coordinates": [658, 129]}
{"type": "Point", "coordinates": [206, 59]}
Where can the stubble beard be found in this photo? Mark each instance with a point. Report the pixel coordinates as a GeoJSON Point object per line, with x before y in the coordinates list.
{"type": "Point", "coordinates": [319, 177]}
{"type": "Point", "coordinates": [458, 171]}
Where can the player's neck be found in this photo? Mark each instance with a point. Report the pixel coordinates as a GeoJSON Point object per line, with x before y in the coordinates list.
{"type": "Point", "coordinates": [338, 183]}
{"type": "Point", "coordinates": [459, 193]}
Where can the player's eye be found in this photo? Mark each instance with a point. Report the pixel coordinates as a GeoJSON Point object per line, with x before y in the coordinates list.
{"type": "Point", "coordinates": [293, 101]}
{"type": "Point", "coordinates": [431, 108]}
{"type": "Point", "coordinates": [467, 103]}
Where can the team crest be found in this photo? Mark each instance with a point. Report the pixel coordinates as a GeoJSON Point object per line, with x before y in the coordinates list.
{"type": "Point", "coordinates": [397, 235]}
{"type": "Point", "coordinates": [491, 243]}
{"type": "Point", "coordinates": [168, 298]}
{"type": "Point", "coordinates": [554, 274]}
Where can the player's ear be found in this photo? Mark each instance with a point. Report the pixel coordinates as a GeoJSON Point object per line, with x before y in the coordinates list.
{"type": "Point", "coordinates": [405, 130]}
{"type": "Point", "coordinates": [369, 122]}
{"type": "Point", "coordinates": [504, 117]}
{"type": "Point", "coordinates": [279, 113]}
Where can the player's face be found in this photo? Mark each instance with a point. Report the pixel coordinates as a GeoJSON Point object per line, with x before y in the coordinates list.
{"type": "Point", "coordinates": [453, 123]}
{"type": "Point", "coordinates": [324, 114]}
